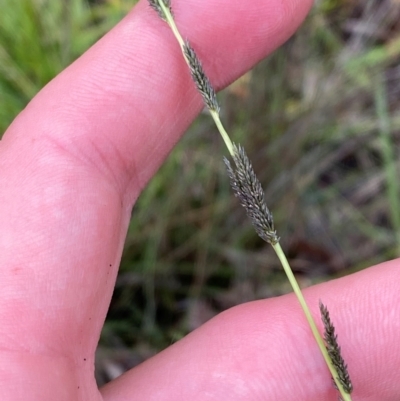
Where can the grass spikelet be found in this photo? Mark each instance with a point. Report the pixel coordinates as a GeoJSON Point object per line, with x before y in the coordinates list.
{"type": "Point", "coordinates": [200, 78]}
{"type": "Point", "coordinates": [155, 5]}
{"type": "Point", "coordinates": [248, 189]}
{"type": "Point", "coordinates": [334, 350]}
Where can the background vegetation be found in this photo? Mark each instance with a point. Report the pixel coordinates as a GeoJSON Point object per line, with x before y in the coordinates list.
{"type": "Point", "coordinates": [320, 120]}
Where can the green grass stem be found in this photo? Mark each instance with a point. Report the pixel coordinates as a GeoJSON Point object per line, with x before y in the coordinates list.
{"type": "Point", "coordinates": [297, 290]}
{"type": "Point", "coordinates": [389, 157]}
{"type": "Point", "coordinates": [171, 22]}
{"type": "Point", "coordinates": [222, 131]}
{"type": "Point", "coordinates": [214, 114]}
{"type": "Point", "coordinates": [246, 193]}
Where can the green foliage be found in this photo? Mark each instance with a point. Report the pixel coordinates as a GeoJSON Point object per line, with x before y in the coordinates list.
{"type": "Point", "coordinates": [38, 38]}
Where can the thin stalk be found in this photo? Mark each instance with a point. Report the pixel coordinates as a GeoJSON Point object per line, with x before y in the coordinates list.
{"type": "Point", "coordinates": [222, 131]}
{"type": "Point", "coordinates": [296, 289]}
{"type": "Point", "coordinates": [171, 22]}
{"type": "Point", "coordinates": [214, 113]}
{"type": "Point", "coordinates": [388, 156]}
{"type": "Point", "coordinates": [244, 181]}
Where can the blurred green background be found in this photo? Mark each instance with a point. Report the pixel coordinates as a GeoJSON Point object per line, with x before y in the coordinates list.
{"type": "Point", "coordinates": [320, 119]}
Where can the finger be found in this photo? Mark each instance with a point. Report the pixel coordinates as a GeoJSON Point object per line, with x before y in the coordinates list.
{"type": "Point", "coordinates": [74, 161]}
{"type": "Point", "coordinates": [131, 94]}
{"type": "Point", "coordinates": [265, 351]}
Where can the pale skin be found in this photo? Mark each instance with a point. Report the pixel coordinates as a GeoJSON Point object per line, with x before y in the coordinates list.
{"type": "Point", "coordinates": [72, 165]}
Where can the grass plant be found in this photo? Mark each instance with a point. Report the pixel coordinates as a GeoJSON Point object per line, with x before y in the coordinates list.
{"type": "Point", "coordinates": [248, 189]}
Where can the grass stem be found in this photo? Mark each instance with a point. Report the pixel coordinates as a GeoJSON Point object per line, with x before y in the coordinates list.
{"type": "Point", "coordinates": [244, 181]}
{"type": "Point", "coordinates": [296, 289]}
{"type": "Point", "coordinates": [389, 157]}
{"type": "Point", "coordinates": [222, 131]}
{"type": "Point", "coordinates": [171, 22]}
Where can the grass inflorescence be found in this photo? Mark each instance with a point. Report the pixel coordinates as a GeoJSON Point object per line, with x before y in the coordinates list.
{"type": "Point", "coordinates": [155, 5]}
{"type": "Point", "coordinates": [248, 189]}
{"type": "Point", "coordinates": [334, 350]}
{"type": "Point", "coordinates": [200, 78]}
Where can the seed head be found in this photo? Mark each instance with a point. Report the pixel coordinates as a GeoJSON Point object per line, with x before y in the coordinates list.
{"type": "Point", "coordinates": [251, 195]}
{"type": "Point", "coordinates": [156, 6]}
{"type": "Point", "coordinates": [334, 351]}
{"type": "Point", "coordinates": [200, 78]}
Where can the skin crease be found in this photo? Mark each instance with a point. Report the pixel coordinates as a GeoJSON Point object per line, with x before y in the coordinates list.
{"type": "Point", "coordinates": [71, 166]}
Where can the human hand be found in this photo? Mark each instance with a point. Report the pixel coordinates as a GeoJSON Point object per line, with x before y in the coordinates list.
{"type": "Point", "coordinates": [72, 165]}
